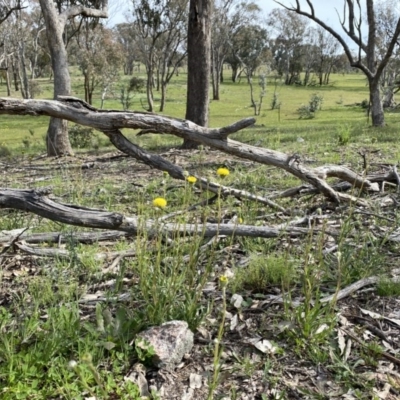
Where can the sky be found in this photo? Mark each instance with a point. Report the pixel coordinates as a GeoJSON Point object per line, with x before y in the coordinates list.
{"type": "Point", "coordinates": [325, 9]}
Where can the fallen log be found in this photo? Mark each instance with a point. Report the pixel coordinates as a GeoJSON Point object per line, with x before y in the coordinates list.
{"type": "Point", "coordinates": [111, 121]}
{"type": "Point", "coordinates": [39, 204]}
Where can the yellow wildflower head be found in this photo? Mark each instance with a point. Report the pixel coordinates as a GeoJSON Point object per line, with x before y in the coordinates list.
{"type": "Point", "coordinates": [191, 179]}
{"type": "Point", "coordinates": [222, 172]}
{"type": "Point", "coordinates": [223, 279]}
{"type": "Point", "coordinates": [160, 202]}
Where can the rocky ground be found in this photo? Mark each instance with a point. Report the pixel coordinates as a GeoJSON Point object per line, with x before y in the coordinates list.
{"type": "Point", "coordinates": [266, 353]}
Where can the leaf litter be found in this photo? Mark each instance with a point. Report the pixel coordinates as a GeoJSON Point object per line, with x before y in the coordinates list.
{"type": "Point", "coordinates": [260, 358]}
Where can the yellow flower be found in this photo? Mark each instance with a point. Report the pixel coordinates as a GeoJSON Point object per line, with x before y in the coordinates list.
{"type": "Point", "coordinates": [159, 202]}
{"type": "Point", "coordinates": [223, 172]}
{"type": "Point", "coordinates": [191, 179]}
{"type": "Point", "coordinates": [223, 279]}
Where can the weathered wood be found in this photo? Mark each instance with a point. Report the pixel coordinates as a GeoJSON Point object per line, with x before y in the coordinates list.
{"type": "Point", "coordinates": [110, 122]}
{"type": "Point", "coordinates": [62, 237]}
{"type": "Point", "coordinates": [66, 254]}
{"type": "Point", "coordinates": [341, 294]}
{"type": "Point", "coordinates": [37, 203]}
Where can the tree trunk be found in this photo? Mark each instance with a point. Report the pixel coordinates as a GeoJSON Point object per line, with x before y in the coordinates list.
{"type": "Point", "coordinates": [57, 133]}
{"type": "Point", "coordinates": [377, 115]}
{"type": "Point", "coordinates": [199, 63]}
{"type": "Point", "coordinates": [8, 81]}
{"type": "Point", "coordinates": [235, 73]}
{"type": "Point", "coordinates": [163, 95]}
{"type": "Point", "coordinates": [389, 86]}
{"type": "Point", "coordinates": [15, 75]}
{"type": "Point", "coordinates": [149, 87]}
{"type": "Point", "coordinates": [59, 138]}
{"type": "Point", "coordinates": [86, 86]}
{"type": "Point", "coordinates": [214, 76]}
{"type": "Point", "coordinates": [23, 74]}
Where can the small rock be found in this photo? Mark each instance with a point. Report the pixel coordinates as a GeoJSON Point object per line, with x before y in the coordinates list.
{"type": "Point", "coordinates": [188, 395]}
{"type": "Point", "coordinates": [236, 300]}
{"type": "Point", "coordinates": [195, 381]}
{"type": "Point", "coordinates": [137, 376]}
{"type": "Point", "coordinates": [170, 341]}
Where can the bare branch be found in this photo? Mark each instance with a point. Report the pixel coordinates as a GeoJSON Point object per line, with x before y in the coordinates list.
{"type": "Point", "coordinates": [37, 203]}
{"type": "Point", "coordinates": [311, 8]}
{"type": "Point", "coordinates": [84, 12]}
{"type": "Point", "coordinates": [389, 50]}
{"type": "Point", "coordinates": [335, 34]}
{"type": "Point", "coordinates": [10, 11]}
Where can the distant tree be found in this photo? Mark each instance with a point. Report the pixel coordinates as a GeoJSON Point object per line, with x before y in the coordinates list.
{"type": "Point", "coordinates": [199, 64]}
{"type": "Point", "coordinates": [366, 59]}
{"type": "Point", "coordinates": [126, 34]}
{"type": "Point", "coordinates": [16, 32]}
{"type": "Point", "coordinates": [56, 16]}
{"type": "Point", "coordinates": [99, 57]}
{"type": "Point", "coordinates": [250, 47]}
{"type": "Point", "coordinates": [160, 26]}
{"type": "Point", "coordinates": [229, 17]}
{"type": "Point", "coordinates": [387, 15]}
{"type": "Point", "coordinates": [171, 48]}
{"type": "Point", "coordinates": [36, 44]}
{"type": "Point", "coordinates": [327, 52]}
{"type": "Point", "coordinates": [318, 56]}
{"type": "Point", "coordinates": [288, 48]}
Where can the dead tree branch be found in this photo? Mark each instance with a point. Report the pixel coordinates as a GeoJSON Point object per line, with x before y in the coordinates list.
{"type": "Point", "coordinates": [39, 204]}
{"type": "Point", "coordinates": [110, 122]}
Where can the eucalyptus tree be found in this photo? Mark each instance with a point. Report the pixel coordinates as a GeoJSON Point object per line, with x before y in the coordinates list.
{"type": "Point", "coordinates": [126, 35]}
{"type": "Point", "coordinates": [250, 47]}
{"type": "Point", "coordinates": [229, 16]}
{"type": "Point", "coordinates": [317, 56]}
{"type": "Point", "coordinates": [366, 58]}
{"type": "Point", "coordinates": [172, 46]}
{"type": "Point", "coordinates": [327, 48]}
{"type": "Point", "coordinates": [199, 64]}
{"type": "Point", "coordinates": [289, 31]}
{"type": "Point", "coordinates": [99, 56]}
{"type": "Point", "coordinates": [56, 15]}
{"type": "Point", "coordinates": [160, 28]}
{"type": "Point", "coordinates": [16, 33]}
{"type": "Point", "coordinates": [387, 15]}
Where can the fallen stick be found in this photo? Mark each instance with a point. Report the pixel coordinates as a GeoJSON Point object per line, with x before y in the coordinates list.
{"type": "Point", "coordinates": [39, 204]}
{"type": "Point", "coordinates": [62, 237]}
{"type": "Point", "coordinates": [62, 253]}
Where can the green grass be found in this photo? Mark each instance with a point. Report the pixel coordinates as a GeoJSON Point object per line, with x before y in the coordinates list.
{"type": "Point", "coordinates": [234, 105]}
{"type": "Point", "coordinates": [52, 346]}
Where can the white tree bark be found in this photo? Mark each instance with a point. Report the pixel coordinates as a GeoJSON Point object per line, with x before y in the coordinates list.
{"type": "Point", "coordinates": [57, 134]}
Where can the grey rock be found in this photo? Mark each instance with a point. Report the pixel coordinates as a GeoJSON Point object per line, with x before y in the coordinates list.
{"type": "Point", "coordinates": [170, 341]}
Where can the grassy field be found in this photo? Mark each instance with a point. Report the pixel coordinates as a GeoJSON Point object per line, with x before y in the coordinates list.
{"type": "Point", "coordinates": [338, 109]}
{"type": "Point", "coordinates": [58, 341]}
